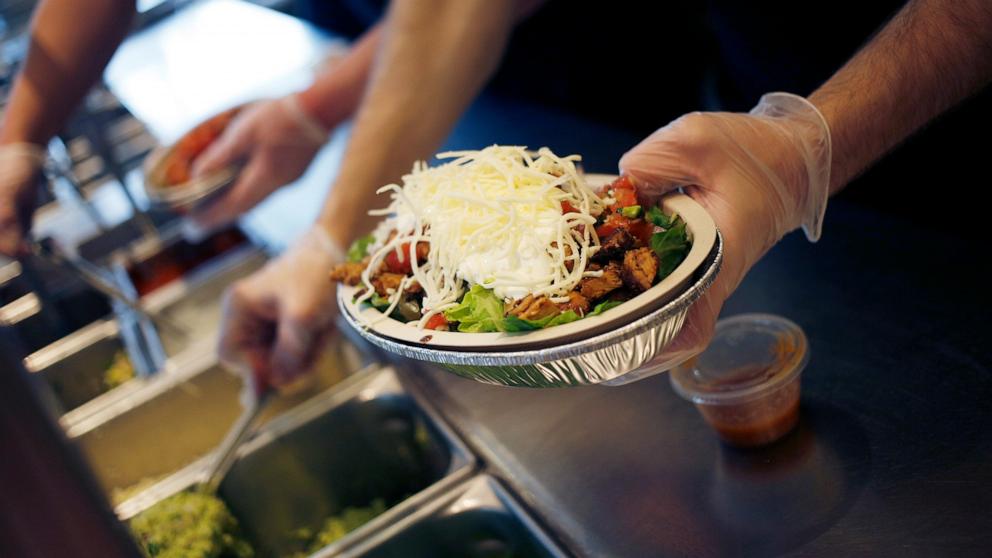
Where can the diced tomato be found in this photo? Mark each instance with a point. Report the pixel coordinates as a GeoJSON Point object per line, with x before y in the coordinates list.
{"type": "Point", "coordinates": [437, 321]}
{"type": "Point", "coordinates": [180, 162]}
{"type": "Point", "coordinates": [568, 208]}
{"type": "Point", "coordinates": [613, 222]}
{"type": "Point", "coordinates": [624, 192]}
{"type": "Point", "coordinates": [395, 264]}
{"type": "Point", "coordinates": [638, 228]}
{"type": "Point", "coordinates": [642, 231]}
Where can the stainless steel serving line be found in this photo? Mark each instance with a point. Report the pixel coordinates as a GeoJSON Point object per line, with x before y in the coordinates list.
{"type": "Point", "coordinates": [74, 366]}
{"type": "Point", "coordinates": [148, 429]}
{"type": "Point", "coordinates": [363, 440]}
{"type": "Point", "coordinates": [186, 313]}
{"type": "Point", "coordinates": [37, 325]}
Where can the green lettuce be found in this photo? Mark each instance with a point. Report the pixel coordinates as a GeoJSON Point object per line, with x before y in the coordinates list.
{"type": "Point", "coordinates": [480, 311]}
{"type": "Point", "coordinates": [513, 323]}
{"type": "Point", "coordinates": [360, 248]}
{"type": "Point", "coordinates": [656, 216]}
{"type": "Point", "coordinates": [671, 246]}
{"type": "Point", "coordinates": [380, 303]}
{"type": "Point", "coordinates": [604, 306]}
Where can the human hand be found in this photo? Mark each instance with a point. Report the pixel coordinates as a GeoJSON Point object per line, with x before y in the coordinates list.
{"type": "Point", "coordinates": [275, 320]}
{"type": "Point", "coordinates": [20, 170]}
{"type": "Point", "coordinates": [759, 175]}
{"type": "Point", "coordinates": [275, 139]}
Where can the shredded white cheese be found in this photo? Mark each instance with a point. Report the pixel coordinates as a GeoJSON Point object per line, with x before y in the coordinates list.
{"type": "Point", "coordinates": [492, 217]}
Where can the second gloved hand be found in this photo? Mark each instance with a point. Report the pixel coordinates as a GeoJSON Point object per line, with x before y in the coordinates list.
{"type": "Point", "coordinates": [759, 175]}
{"type": "Point", "coordinates": [275, 140]}
{"type": "Point", "coordinates": [275, 320]}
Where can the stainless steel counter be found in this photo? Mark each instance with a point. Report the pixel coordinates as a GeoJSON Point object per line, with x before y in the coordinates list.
{"type": "Point", "coordinates": [892, 456]}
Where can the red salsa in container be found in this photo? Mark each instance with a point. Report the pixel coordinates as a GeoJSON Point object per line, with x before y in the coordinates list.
{"type": "Point", "coordinates": [746, 383]}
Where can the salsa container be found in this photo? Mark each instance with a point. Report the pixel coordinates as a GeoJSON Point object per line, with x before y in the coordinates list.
{"type": "Point", "coordinates": [746, 383]}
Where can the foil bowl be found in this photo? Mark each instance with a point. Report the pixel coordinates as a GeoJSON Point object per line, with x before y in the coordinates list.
{"type": "Point", "coordinates": [194, 192]}
{"type": "Point", "coordinates": [615, 357]}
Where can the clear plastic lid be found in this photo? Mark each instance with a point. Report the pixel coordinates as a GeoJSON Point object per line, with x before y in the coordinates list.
{"type": "Point", "coordinates": [750, 356]}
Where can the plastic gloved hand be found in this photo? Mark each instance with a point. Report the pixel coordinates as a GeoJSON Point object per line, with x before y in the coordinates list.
{"type": "Point", "coordinates": [20, 170]}
{"type": "Point", "coordinates": [275, 319]}
{"type": "Point", "coordinates": [759, 175]}
{"type": "Point", "coordinates": [275, 139]}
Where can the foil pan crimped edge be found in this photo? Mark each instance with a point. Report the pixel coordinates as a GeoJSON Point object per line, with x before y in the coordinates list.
{"type": "Point", "coordinates": [614, 357]}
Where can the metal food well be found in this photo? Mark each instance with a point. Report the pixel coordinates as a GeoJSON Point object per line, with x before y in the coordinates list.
{"type": "Point", "coordinates": [364, 440]}
{"type": "Point", "coordinates": [150, 428]}
{"type": "Point", "coordinates": [74, 366]}
{"type": "Point", "coordinates": [477, 519]}
{"type": "Point", "coordinates": [195, 301]}
{"type": "Point", "coordinates": [37, 325]}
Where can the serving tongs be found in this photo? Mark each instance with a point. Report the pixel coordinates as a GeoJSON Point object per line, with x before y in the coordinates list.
{"type": "Point", "coordinates": [94, 276]}
{"type": "Point", "coordinates": [227, 452]}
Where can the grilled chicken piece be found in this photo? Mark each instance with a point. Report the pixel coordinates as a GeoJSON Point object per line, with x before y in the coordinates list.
{"type": "Point", "coordinates": [639, 269]}
{"type": "Point", "coordinates": [349, 273]}
{"type": "Point", "coordinates": [423, 248]}
{"type": "Point", "coordinates": [569, 264]}
{"type": "Point", "coordinates": [387, 283]}
{"type": "Point", "coordinates": [594, 288]}
{"type": "Point", "coordinates": [531, 308]}
{"type": "Point", "coordinates": [576, 302]}
{"type": "Point", "coordinates": [614, 246]}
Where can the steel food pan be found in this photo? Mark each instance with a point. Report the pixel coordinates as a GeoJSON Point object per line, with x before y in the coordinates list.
{"type": "Point", "coordinates": [337, 453]}
{"type": "Point", "coordinates": [151, 427]}
{"type": "Point", "coordinates": [366, 439]}
{"type": "Point", "coordinates": [194, 302]}
{"type": "Point", "coordinates": [156, 426]}
{"type": "Point", "coordinates": [75, 366]}
{"type": "Point", "coordinates": [478, 519]}
{"type": "Point", "coordinates": [37, 326]}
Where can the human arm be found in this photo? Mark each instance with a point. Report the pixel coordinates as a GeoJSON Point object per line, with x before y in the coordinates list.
{"type": "Point", "coordinates": [70, 43]}
{"type": "Point", "coordinates": [277, 139]}
{"type": "Point", "coordinates": [763, 174]}
{"type": "Point", "coordinates": [433, 59]}
{"type": "Point", "coordinates": [932, 55]}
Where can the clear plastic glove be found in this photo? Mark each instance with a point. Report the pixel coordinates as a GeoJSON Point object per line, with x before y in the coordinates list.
{"type": "Point", "coordinates": [20, 171]}
{"type": "Point", "coordinates": [275, 140]}
{"type": "Point", "coordinates": [759, 175]}
{"type": "Point", "coordinates": [275, 320]}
